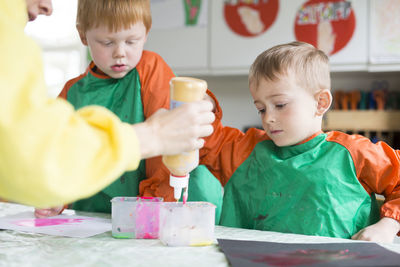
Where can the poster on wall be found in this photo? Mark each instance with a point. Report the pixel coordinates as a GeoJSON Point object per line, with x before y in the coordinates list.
{"type": "Point", "coordinates": [327, 24]}
{"type": "Point", "coordinates": [385, 31]}
{"type": "Point", "coordinates": [250, 18]}
{"type": "Point", "coordinates": [172, 14]}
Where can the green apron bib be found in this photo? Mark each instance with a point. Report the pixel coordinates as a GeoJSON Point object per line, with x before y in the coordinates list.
{"type": "Point", "coordinates": [123, 97]}
{"type": "Point", "coordinates": [203, 186]}
{"type": "Point", "coordinates": [309, 188]}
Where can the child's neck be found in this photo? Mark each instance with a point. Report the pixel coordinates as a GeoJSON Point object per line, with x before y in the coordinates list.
{"type": "Point", "coordinates": [310, 137]}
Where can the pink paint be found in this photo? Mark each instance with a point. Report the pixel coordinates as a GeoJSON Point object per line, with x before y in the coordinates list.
{"type": "Point", "coordinates": [147, 219]}
{"type": "Point", "coordinates": [185, 195]}
{"type": "Point", "coordinates": [193, 12]}
{"type": "Point", "coordinates": [149, 236]}
{"type": "Point", "coordinates": [155, 199]}
{"type": "Point", "coordinates": [307, 257]}
{"type": "Point", "coordinates": [46, 222]}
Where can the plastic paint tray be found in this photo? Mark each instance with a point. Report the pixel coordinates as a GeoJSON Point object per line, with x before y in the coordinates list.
{"type": "Point", "coordinates": [191, 224]}
{"type": "Point", "coordinates": [135, 217]}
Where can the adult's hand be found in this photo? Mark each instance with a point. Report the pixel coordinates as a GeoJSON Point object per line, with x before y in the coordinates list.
{"type": "Point", "coordinates": [169, 132]}
{"type": "Point", "coordinates": [44, 213]}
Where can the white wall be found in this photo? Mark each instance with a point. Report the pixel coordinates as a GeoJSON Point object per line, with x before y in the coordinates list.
{"type": "Point", "coordinates": [237, 104]}
{"type": "Point", "coordinates": [234, 97]}
{"type": "Point", "coordinates": [64, 56]}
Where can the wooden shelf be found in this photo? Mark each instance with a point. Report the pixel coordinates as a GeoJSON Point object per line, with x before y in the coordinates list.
{"type": "Point", "coordinates": [362, 120]}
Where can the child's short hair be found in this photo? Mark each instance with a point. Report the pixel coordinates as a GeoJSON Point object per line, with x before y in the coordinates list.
{"type": "Point", "coordinates": [309, 65]}
{"type": "Point", "coordinates": [115, 14]}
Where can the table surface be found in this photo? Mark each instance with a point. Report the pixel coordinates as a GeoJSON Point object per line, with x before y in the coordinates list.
{"type": "Point", "coordinates": [28, 249]}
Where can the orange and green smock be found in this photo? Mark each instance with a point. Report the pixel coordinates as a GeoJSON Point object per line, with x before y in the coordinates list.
{"type": "Point", "coordinates": [322, 186]}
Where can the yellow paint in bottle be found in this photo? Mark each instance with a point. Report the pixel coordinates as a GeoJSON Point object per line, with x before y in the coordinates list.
{"type": "Point", "coordinates": [183, 90]}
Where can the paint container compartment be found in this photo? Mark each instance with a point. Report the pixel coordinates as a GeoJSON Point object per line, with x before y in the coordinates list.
{"type": "Point", "coordinates": [135, 217]}
{"type": "Point", "coordinates": [190, 224]}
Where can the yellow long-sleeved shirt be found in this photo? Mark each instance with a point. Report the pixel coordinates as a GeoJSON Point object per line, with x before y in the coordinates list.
{"type": "Point", "coordinates": [50, 154]}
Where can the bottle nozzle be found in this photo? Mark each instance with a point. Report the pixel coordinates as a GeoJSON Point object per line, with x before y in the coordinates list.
{"type": "Point", "coordinates": [178, 183]}
{"type": "Point", "coordinates": [177, 193]}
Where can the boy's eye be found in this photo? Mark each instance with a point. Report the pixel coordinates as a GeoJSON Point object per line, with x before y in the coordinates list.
{"type": "Point", "coordinates": [280, 105]}
{"type": "Point", "coordinates": [106, 43]}
{"type": "Point", "coordinates": [261, 111]}
{"type": "Point", "coordinates": [131, 42]}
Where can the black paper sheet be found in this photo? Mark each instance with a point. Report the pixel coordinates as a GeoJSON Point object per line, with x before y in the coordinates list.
{"type": "Point", "coordinates": [257, 253]}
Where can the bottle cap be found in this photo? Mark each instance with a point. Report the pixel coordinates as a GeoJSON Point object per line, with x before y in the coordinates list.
{"type": "Point", "coordinates": [178, 182]}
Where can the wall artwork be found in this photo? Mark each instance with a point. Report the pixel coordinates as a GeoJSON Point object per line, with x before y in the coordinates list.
{"type": "Point", "coordinates": [385, 31]}
{"type": "Point", "coordinates": [172, 14]}
{"type": "Point", "coordinates": [257, 253]}
{"type": "Point", "coordinates": [329, 25]}
{"type": "Point", "coordinates": [250, 18]}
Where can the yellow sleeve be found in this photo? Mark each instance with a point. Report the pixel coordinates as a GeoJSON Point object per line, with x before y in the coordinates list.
{"type": "Point", "coordinates": [50, 154]}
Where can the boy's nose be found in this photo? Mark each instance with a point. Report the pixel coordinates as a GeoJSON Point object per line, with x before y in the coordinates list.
{"type": "Point", "coordinates": [119, 52]}
{"type": "Point", "coordinates": [269, 118]}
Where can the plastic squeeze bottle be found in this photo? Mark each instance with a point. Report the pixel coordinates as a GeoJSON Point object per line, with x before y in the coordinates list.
{"type": "Point", "coordinates": [183, 90]}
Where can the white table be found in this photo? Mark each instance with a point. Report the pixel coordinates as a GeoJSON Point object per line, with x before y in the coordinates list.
{"type": "Point", "coordinates": [25, 249]}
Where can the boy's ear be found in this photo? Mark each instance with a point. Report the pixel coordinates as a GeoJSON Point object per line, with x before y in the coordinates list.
{"type": "Point", "coordinates": [82, 35]}
{"type": "Point", "coordinates": [324, 100]}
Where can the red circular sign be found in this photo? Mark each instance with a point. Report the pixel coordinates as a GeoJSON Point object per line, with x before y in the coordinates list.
{"type": "Point", "coordinates": [327, 24]}
{"type": "Point", "coordinates": [250, 17]}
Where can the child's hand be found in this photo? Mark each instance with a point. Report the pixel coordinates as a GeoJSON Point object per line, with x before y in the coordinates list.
{"type": "Point", "coordinates": [43, 213]}
{"type": "Point", "coordinates": [383, 231]}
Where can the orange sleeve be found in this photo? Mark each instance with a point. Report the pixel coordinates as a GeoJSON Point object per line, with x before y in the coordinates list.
{"type": "Point", "coordinates": [154, 75]}
{"type": "Point", "coordinates": [377, 167]}
{"type": "Point", "coordinates": [228, 148]}
{"type": "Point", "coordinates": [157, 185]}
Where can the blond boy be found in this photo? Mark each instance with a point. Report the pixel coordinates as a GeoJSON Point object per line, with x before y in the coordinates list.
{"type": "Point", "coordinates": [294, 178]}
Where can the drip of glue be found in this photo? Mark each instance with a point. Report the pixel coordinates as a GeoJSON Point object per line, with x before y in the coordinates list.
{"type": "Point", "coordinates": [183, 90]}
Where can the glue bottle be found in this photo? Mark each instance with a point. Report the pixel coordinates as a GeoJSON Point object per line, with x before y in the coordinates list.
{"type": "Point", "coordinates": [183, 90]}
